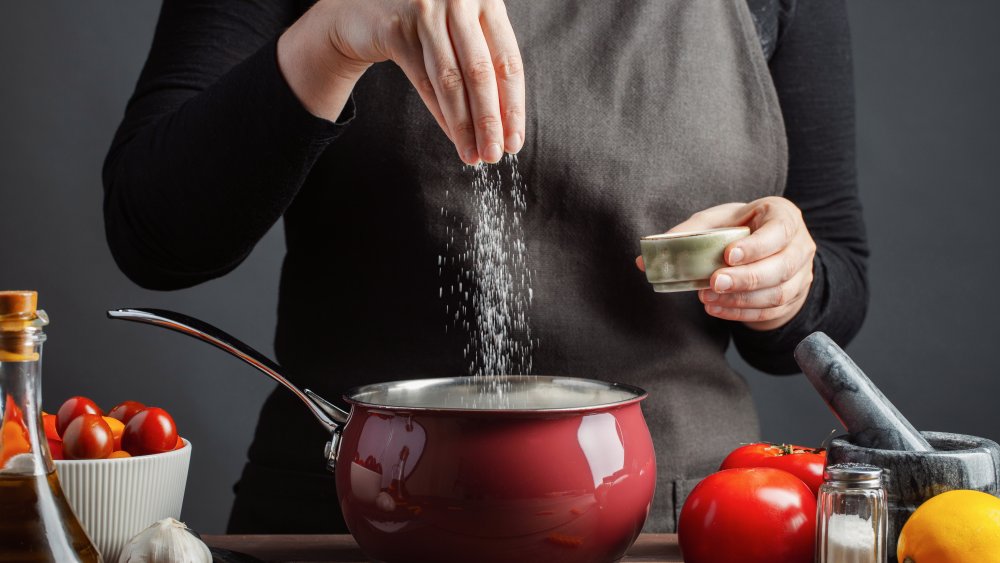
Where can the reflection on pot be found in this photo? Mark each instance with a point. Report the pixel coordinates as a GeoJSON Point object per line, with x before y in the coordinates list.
{"type": "Point", "coordinates": [457, 487]}
{"type": "Point", "coordinates": [366, 484]}
{"type": "Point", "coordinates": [389, 447]}
{"type": "Point", "coordinates": [602, 445]}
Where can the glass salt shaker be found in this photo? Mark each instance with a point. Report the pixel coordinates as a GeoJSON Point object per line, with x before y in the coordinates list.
{"type": "Point", "coordinates": [851, 515]}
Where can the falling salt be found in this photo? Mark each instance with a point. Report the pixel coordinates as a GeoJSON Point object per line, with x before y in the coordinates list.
{"type": "Point", "coordinates": [495, 269]}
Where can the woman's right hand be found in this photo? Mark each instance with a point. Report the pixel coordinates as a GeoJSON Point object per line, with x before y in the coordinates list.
{"type": "Point", "coordinates": [461, 55]}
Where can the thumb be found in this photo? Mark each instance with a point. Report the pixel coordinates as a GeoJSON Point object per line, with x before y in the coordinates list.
{"type": "Point", "coordinates": [725, 215]}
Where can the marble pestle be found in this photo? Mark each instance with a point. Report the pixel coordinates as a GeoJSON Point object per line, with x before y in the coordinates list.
{"type": "Point", "coordinates": [870, 419]}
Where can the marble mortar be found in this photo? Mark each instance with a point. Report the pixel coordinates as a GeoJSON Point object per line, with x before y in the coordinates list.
{"type": "Point", "coordinates": [958, 461]}
{"type": "Point", "coordinates": [918, 465]}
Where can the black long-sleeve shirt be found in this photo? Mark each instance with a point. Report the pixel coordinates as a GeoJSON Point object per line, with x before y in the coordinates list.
{"type": "Point", "coordinates": [214, 148]}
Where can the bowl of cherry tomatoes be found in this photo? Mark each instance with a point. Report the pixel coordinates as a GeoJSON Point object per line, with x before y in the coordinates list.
{"type": "Point", "coordinates": [120, 470]}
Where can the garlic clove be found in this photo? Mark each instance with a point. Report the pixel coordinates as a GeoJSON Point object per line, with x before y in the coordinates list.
{"type": "Point", "coordinates": [166, 541]}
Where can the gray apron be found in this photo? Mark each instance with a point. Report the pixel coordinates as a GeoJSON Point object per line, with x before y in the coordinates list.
{"type": "Point", "coordinates": [640, 113]}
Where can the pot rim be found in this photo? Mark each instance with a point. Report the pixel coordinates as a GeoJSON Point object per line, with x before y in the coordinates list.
{"type": "Point", "coordinates": [354, 396]}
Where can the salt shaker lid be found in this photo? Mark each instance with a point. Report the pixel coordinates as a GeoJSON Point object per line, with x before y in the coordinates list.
{"type": "Point", "coordinates": [853, 475]}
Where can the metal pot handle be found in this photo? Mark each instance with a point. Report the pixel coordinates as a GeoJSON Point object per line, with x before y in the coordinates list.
{"type": "Point", "coordinates": [331, 417]}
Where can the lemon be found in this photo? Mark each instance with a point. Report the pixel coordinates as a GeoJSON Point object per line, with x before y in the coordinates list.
{"type": "Point", "coordinates": [953, 527]}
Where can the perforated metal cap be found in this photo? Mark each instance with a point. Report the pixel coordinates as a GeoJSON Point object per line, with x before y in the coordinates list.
{"type": "Point", "coordinates": [853, 475]}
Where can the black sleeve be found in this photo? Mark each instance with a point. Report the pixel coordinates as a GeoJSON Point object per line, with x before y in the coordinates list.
{"type": "Point", "coordinates": [213, 146]}
{"type": "Point", "coordinates": [813, 75]}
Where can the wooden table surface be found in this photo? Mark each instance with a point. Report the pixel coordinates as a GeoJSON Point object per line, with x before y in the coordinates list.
{"type": "Point", "coordinates": [649, 548]}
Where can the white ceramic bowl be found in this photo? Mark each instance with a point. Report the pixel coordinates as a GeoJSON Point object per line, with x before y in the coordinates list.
{"type": "Point", "coordinates": [115, 499]}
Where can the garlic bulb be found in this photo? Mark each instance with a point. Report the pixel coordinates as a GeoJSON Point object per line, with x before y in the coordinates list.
{"type": "Point", "coordinates": [166, 541]}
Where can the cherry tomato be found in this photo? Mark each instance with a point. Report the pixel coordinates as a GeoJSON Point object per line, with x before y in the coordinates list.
{"type": "Point", "coordinates": [118, 454]}
{"type": "Point", "coordinates": [151, 431]}
{"type": "Point", "coordinates": [49, 423]}
{"type": "Point", "coordinates": [180, 443]}
{"type": "Point", "coordinates": [750, 515]}
{"type": "Point", "coordinates": [72, 408]}
{"type": "Point", "coordinates": [88, 437]}
{"type": "Point", "coordinates": [125, 410]}
{"type": "Point", "coordinates": [805, 463]}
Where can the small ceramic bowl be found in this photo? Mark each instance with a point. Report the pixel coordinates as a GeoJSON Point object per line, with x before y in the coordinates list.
{"type": "Point", "coordinates": [685, 261]}
{"type": "Point", "coordinates": [115, 499]}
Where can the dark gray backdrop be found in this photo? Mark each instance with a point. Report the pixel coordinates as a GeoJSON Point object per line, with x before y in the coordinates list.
{"type": "Point", "coordinates": [928, 82]}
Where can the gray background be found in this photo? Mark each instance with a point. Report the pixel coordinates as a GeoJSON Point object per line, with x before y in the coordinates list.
{"type": "Point", "coordinates": [928, 82]}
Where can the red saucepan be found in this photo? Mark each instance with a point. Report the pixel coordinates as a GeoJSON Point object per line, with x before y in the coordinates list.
{"type": "Point", "coordinates": [485, 469]}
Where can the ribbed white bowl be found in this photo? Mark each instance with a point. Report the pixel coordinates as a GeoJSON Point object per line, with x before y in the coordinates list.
{"type": "Point", "coordinates": [115, 499]}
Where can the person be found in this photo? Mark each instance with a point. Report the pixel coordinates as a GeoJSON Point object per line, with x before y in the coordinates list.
{"type": "Point", "coordinates": [344, 118]}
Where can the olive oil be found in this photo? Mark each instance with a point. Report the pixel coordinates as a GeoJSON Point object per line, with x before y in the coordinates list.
{"type": "Point", "coordinates": [37, 524]}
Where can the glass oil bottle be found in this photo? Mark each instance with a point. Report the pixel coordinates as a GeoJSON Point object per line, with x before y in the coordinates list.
{"type": "Point", "coordinates": [36, 522]}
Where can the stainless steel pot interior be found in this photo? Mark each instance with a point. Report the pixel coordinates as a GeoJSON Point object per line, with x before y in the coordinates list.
{"type": "Point", "coordinates": [496, 393]}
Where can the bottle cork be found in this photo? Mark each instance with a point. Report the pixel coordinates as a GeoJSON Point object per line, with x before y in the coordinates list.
{"type": "Point", "coordinates": [18, 304]}
{"type": "Point", "coordinates": [17, 311]}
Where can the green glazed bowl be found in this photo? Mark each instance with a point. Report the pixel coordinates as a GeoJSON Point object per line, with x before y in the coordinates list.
{"type": "Point", "coordinates": [686, 261]}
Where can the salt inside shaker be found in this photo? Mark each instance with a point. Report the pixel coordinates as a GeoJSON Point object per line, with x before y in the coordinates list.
{"type": "Point", "coordinates": [851, 517]}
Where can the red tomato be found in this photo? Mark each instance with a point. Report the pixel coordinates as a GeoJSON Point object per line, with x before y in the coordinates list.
{"type": "Point", "coordinates": [755, 515]}
{"type": "Point", "coordinates": [125, 410]}
{"type": "Point", "coordinates": [151, 431]}
{"type": "Point", "coordinates": [805, 463]}
{"type": "Point", "coordinates": [56, 449]}
{"type": "Point", "coordinates": [49, 423]}
{"type": "Point", "coordinates": [88, 437]}
{"type": "Point", "coordinates": [72, 408]}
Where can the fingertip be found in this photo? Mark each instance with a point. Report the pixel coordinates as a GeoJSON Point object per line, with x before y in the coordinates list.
{"type": "Point", "coordinates": [722, 283]}
{"type": "Point", "coordinates": [469, 156]}
{"type": "Point", "coordinates": [493, 153]}
{"type": "Point", "coordinates": [513, 142]}
{"type": "Point", "coordinates": [639, 263]}
{"type": "Point", "coordinates": [735, 256]}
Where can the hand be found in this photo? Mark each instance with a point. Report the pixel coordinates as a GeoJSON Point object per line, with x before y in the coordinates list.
{"type": "Point", "coordinates": [461, 56]}
{"type": "Point", "coordinates": [769, 272]}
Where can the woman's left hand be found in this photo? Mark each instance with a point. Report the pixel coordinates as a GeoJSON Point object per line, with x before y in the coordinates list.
{"type": "Point", "coordinates": [769, 273]}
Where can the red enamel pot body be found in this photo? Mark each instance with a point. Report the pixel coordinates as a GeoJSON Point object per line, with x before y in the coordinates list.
{"type": "Point", "coordinates": [497, 469]}
{"type": "Point", "coordinates": [561, 481]}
